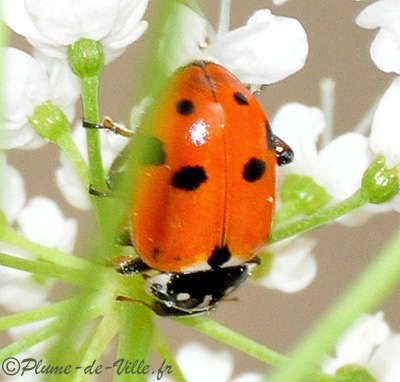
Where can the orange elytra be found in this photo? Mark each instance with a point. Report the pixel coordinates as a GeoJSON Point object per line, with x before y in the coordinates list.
{"type": "Point", "coordinates": [204, 204]}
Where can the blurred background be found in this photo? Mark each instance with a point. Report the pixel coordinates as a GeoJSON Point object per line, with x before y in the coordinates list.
{"type": "Point", "coordinates": [338, 49]}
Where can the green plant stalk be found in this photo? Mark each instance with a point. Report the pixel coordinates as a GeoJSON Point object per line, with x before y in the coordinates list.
{"type": "Point", "coordinates": [38, 314]}
{"type": "Point", "coordinates": [95, 279]}
{"type": "Point", "coordinates": [44, 333]}
{"type": "Point", "coordinates": [51, 255]}
{"type": "Point", "coordinates": [357, 200]}
{"type": "Point", "coordinates": [366, 294]}
{"type": "Point", "coordinates": [30, 340]}
{"type": "Point", "coordinates": [135, 339]}
{"type": "Point", "coordinates": [165, 353]}
{"type": "Point", "coordinates": [68, 146]}
{"type": "Point", "coordinates": [104, 333]}
{"type": "Point", "coordinates": [287, 211]}
{"type": "Point", "coordinates": [104, 209]}
{"type": "Point", "coordinates": [233, 339]}
{"type": "Point", "coordinates": [90, 101]}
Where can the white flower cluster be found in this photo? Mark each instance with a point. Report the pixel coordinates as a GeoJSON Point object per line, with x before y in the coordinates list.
{"type": "Point", "coordinates": [200, 364]}
{"type": "Point", "coordinates": [371, 344]}
{"type": "Point", "coordinates": [340, 164]}
{"type": "Point", "coordinates": [267, 49]}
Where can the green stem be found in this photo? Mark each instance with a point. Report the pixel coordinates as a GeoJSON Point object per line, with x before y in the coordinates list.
{"type": "Point", "coordinates": [287, 211]}
{"type": "Point", "coordinates": [99, 340]}
{"type": "Point", "coordinates": [165, 354]}
{"type": "Point", "coordinates": [30, 340]}
{"type": "Point", "coordinates": [321, 217]}
{"type": "Point", "coordinates": [134, 340]}
{"type": "Point", "coordinates": [68, 146]}
{"type": "Point", "coordinates": [46, 332]}
{"type": "Point", "coordinates": [380, 278]}
{"type": "Point", "coordinates": [94, 278]}
{"type": "Point", "coordinates": [104, 207]}
{"type": "Point", "coordinates": [36, 314]}
{"type": "Point", "coordinates": [51, 255]}
{"type": "Point", "coordinates": [90, 100]}
{"type": "Point", "coordinates": [234, 339]}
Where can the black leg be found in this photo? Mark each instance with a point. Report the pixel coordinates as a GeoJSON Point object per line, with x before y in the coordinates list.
{"type": "Point", "coordinates": [128, 266]}
{"type": "Point", "coordinates": [108, 124]}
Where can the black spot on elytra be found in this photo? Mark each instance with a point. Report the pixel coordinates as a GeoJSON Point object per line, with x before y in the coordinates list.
{"type": "Point", "coordinates": [189, 178]}
{"type": "Point", "coordinates": [240, 98]}
{"type": "Point", "coordinates": [219, 256]}
{"type": "Point", "coordinates": [153, 153]}
{"type": "Point", "coordinates": [254, 169]}
{"type": "Point", "coordinates": [185, 107]}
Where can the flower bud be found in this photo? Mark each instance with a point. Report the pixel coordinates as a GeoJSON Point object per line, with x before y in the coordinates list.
{"type": "Point", "coordinates": [380, 183]}
{"type": "Point", "coordinates": [49, 122]}
{"type": "Point", "coordinates": [86, 58]}
{"type": "Point", "coordinates": [307, 195]}
{"type": "Point", "coordinates": [355, 373]}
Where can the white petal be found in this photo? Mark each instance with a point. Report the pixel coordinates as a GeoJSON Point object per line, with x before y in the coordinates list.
{"type": "Point", "coordinates": [359, 342]}
{"type": "Point", "coordinates": [52, 26]}
{"type": "Point", "coordinates": [279, 2]}
{"type": "Point", "coordinates": [185, 37]}
{"type": "Point", "coordinates": [340, 168]}
{"type": "Point", "coordinates": [16, 17]}
{"type": "Point", "coordinates": [43, 222]}
{"type": "Point", "coordinates": [24, 330]}
{"type": "Point", "coordinates": [65, 22]}
{"type": "Point", "coordinates": [24, 137]}
{"type": "Point", "coordinates": [341, 165]}
{"type": "Point", "coordinates": [300, 127]}
{"type": "Point", "coordinates": [70, 185]}
{"type": "Point", "coordinates": [385, 361]}
{"type": "Point", "coordinates": [385, 50]}
{"type": "Point", "coordinates": [379, 13]}
{"type": "Point", "coordinates": [266, 50]}
{"type": "Point", "coordinates": [64, 85]}
{"type": "Point", "coordinates": [20, 292]}
{"type": "Point", "coordinates": [385, 131]}
{"type": "Point", "coordinates": [153, 378]}
{"type": "Point", "coordinates": [111, 145]}
{"type": "Point", "coordinates": [12, 192]}
{"type": "Point", "coordinates": [293, 265]}
{"type": "Point", "coordinates": [249, 377]}
{"type": "Point", "coordinates": [128, 25]}
{"type": "Point", "coordinates": [66, 178]}
{"type": "Point", "coordinates": [192, 358]}
{"type": "Point", "coordinates": [26, 87]}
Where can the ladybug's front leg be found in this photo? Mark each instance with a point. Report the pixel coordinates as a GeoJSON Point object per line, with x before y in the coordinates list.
{"type": "Point", "coordinates": [129, 266]}
{"type": "Point", "coordinates": [109, 124]}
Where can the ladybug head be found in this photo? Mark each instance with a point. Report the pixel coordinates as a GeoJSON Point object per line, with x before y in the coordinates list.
{"type": "Point", "coordinates": [195, 293]}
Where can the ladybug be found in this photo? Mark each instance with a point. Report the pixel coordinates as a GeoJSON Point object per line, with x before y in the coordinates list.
{"type": "Point", "coordinates": [204, 201]}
